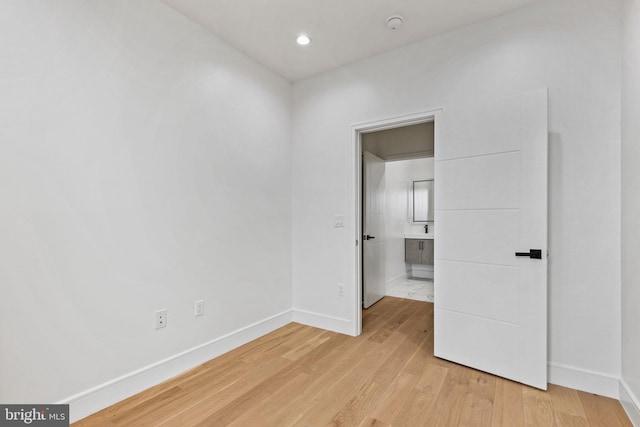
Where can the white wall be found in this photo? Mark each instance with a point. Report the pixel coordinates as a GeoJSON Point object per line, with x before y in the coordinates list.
{"type": "Point", "coordinates": [144, 164]}
{"type": "Point", "coordinates": [398, 178]}
{"type": "Point", "coordinates": [570, 46]}
{"type": "Point", "coordinates": [631, 207]}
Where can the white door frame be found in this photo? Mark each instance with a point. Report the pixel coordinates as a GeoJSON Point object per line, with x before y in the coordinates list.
{"type": "Point", "coordinates": [356, 195]}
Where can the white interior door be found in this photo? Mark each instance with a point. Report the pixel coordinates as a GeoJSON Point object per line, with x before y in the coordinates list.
{"type": "Point", "coordinates": [373, 280]}
{"type": "Point", "coordinates": [491, 173]}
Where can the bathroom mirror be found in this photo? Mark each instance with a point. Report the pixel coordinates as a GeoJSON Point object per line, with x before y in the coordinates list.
{"type": "Point", "coordinates": [423, 201]}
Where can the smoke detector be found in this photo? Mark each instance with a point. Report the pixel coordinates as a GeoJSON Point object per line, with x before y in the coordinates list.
{"type": "Point", "coordinates": [394, 22]}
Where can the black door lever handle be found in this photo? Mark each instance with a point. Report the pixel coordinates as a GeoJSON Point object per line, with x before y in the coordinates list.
{"type": "Point", "coordinates": [367, 237]}
{"type": "Point", "coordinates": [533, 253]}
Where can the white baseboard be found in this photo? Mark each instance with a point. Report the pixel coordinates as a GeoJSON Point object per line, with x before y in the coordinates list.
{"type": "Point", "coordinates": [99, 397]}
{"type": "Point", "coordinates": [630, 403]}
{"type": "Point", "coordinates": [317, 320]}
{"type": "Point", "coordinates": [584, 380]}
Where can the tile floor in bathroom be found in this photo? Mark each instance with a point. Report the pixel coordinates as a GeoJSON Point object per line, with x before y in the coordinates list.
{"type": "Point", "coordinates": [416, 289]}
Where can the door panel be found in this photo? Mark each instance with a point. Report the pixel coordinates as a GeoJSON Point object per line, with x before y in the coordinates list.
{"type": "Point", "coordinates": [491, 172]}
{"type": "Point", "coordinates": [481, 236]}
{"type": "Point", "coordinates": [495, 122]}
{"type": "Point", "coordinates": [479, 283]}
{"type": "Point", "coordinates": [480, 343]}
{"type": "Point", "coordinates": [373, 278]}
{"type": "Point", "coordinates": [473, 182]}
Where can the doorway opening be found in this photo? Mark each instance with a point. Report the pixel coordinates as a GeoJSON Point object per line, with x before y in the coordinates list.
{"type": "Point", "coordinates": [410, 226]}
{"type": "Point", "coordinates": [407, 145]}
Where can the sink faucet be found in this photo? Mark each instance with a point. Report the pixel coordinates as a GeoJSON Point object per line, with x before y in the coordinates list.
{"type": "Point", "coordinates": [426, 228]}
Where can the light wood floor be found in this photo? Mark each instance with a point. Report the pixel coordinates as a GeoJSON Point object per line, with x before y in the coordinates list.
{"type": "Point", "coordinates": [303, 376]}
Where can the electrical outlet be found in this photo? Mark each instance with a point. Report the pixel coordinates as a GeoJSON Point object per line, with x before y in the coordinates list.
{"type": "Point", "coordinates": [199, 308]}
{"type": "Point", "coordinates": [161, 318]}
{"type": "Point", "coordinates": [340, 289]}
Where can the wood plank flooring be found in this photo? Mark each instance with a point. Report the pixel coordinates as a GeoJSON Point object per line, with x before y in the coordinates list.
{"type": "Point", "coordinates": [388, 376]}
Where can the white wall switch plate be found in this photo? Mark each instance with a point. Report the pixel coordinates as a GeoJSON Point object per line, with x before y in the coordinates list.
{"type": "Point", "coordinates": [338, 221]}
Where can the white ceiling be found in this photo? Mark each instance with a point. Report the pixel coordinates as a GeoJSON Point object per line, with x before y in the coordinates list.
{"type": "Point", "coordinates": [342, 31]}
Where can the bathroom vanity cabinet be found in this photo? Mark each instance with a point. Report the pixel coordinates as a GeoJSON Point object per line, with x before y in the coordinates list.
{"type": "Point", "coordinates": [418, 251]}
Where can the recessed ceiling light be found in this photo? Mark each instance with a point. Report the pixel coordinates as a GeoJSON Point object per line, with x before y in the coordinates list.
{"type": "Point", "coordinates": [303, 39]}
